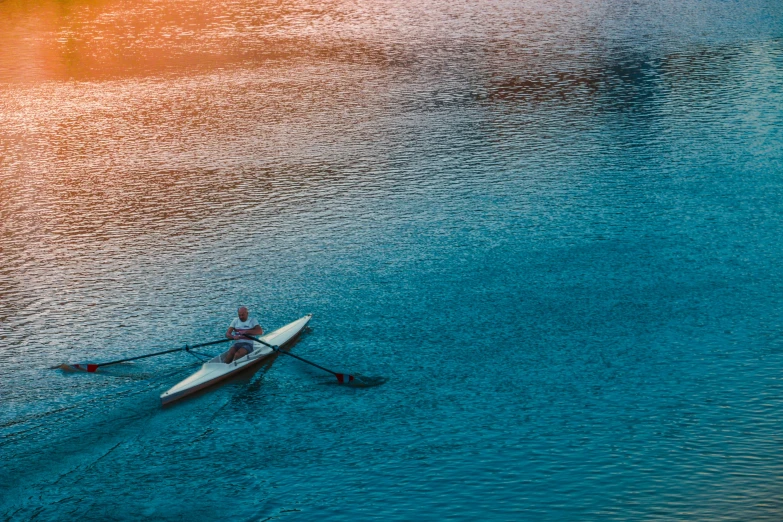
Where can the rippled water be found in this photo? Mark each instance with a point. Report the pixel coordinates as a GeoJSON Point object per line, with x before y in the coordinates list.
{"type": "Point", "coordinates": [554, 227]}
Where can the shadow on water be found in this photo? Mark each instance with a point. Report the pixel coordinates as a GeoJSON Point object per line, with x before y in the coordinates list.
{"type": "Point", "coordinates": [128, 371]}
{"type": "Point", "coordinates": [360, 381]}
{"type": "Point", "coordinates": [618, 81]}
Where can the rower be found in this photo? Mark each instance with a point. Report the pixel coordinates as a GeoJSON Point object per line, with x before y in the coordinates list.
{"type": "Point", "coordinates": [242, 324]}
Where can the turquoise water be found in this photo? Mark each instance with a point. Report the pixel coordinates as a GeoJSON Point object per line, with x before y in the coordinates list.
{"type": "Point", "coordinates": [553, 227]}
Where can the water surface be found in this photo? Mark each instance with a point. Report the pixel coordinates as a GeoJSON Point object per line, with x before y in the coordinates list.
{"type": "Point", "coordinates": [553, 226]}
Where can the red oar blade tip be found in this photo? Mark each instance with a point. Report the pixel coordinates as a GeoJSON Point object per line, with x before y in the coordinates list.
{"type": "Point", "coordinates": [344, 378]}
{"type": "Point", "coordinates": [91, 368]}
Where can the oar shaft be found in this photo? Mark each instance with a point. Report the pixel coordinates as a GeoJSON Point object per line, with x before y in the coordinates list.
{"type": "Point", "coordinates": [209, 343]}
{"type": "Point", "coordinates": [308, 362]}
{"type": "Point", "coordinates": [140, 357]}
{"type": "Point", "coordinates": [186, 347]}
{"type": "Point", "coordinates": [278, 350]}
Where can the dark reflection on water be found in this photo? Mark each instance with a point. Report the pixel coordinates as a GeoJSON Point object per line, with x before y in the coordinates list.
{"type": "Point", "coordinates": [552, 227]}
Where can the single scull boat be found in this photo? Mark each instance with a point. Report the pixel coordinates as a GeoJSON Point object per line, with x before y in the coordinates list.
{"type": "Point", "coordinates": [215, 370]}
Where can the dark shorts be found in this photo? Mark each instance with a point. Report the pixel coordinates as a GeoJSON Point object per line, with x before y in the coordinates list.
{"type": "Point", "coordinates": [247, 345]}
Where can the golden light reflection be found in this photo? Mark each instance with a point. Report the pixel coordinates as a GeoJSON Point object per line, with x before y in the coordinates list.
{"type": "Point", "coordinates": [101, 39]}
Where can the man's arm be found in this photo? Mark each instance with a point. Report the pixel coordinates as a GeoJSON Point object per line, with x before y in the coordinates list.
{"type": "Point", "coordinates": [256, 330]}
{"type": "Point", "coordinates": [230, 332]}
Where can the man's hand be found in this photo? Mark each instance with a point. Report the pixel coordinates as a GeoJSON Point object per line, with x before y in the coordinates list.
{"type": "Point", "coordinates": [237, 333]}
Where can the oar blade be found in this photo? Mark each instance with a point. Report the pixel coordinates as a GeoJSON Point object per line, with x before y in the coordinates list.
{"type": "Point", "coordinates": [90, 368]}
{"type": "Point", "coordinates": [344, 378]}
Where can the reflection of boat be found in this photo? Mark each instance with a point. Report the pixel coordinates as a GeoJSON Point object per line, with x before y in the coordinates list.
{"type": "Point", "coordinates": [215, 370]}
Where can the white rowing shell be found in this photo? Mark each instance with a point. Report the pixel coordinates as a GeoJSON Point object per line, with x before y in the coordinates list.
{"type": "Point", "coordinates": [214, 370]}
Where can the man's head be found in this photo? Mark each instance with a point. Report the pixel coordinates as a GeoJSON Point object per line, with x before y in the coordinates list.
{"type": "Point", "coordinates": [242, 313]}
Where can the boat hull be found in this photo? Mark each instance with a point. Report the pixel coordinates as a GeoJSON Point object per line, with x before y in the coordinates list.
{"type": "Point", "coordinates": [215, 371]}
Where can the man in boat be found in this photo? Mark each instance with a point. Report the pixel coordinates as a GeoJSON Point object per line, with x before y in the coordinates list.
{"type": "Point", "coordinates": [242, 324]}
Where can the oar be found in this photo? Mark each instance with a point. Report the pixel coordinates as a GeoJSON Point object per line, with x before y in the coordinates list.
{"type": "Point", "coordinates": [342, 378]}
{"type": "Point", "coordinates": [93, 367]}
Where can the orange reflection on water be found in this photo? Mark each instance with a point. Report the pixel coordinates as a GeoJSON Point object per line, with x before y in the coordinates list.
{"type": "Point", "coordinates": [99, 39]}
